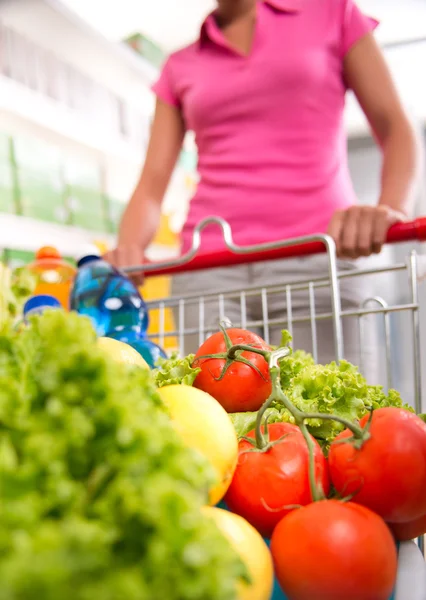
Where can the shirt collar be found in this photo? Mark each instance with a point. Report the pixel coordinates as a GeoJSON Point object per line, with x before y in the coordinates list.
{"type": "Point", "coordinates": [285, 5]}
{"type": "Point", "coordinates": [209, 28]}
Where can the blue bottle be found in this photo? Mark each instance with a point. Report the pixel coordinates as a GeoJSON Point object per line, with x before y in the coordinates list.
{"type": "Point", "coordinates": [37, 305]}
{"type": "Point", "coordinates": [114, 305]}
{"type": "Point", "coordinates": [108, 298]}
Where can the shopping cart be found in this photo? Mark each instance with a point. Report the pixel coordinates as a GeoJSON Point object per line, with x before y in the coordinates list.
{"type": "Point", "coordinates": [395, 320]}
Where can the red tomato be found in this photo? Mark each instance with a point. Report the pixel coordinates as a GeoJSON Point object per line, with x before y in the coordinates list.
{"type": "Point", "coordinates": [333, 551]}
{"type": "Point", "coordinates": [243, 388]}
{"type": "Point", "coordinates": [404, 532]}
{"type": "Point", "coordinates": [388, 474]}
{"type": "Point", "coordinates": [265, 483]}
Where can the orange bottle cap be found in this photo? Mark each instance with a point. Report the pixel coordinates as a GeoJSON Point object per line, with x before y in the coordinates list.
{"type": "Point", "coordinates": [47, 252]}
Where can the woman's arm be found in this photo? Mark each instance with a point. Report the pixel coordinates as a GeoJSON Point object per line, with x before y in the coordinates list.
{"type": "Point", "coordinates": [362, 230]}
{"type": "Point", "coordinates": [141, 218]}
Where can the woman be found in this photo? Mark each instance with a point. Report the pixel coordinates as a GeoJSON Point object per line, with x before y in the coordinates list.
{"type": "Point", "coordinates": [263, 88]}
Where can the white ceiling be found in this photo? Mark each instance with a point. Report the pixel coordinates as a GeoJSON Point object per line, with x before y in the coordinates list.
{"type": "Point", "coordinates": [173, 23]}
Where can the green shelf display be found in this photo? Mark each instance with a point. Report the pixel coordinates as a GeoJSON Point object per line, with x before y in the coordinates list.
{"type": "Point", "coordinates": [4, 147]}
{"type": "Point", "coordinates": [115, 210]}
{"type": "Point", "coordinates": [42, 197]}
{"type": "Point", "coordinates": [87, 208]}
{"type": "Point", "coordinates": [36, 181]}
{"type": "Point", "coordinates": [7, 199]}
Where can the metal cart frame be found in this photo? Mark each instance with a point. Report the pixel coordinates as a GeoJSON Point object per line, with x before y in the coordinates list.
{"type": "Point", "coordinates": [412, 568]}
{"type": "Point", "coordinates": [233, 254]}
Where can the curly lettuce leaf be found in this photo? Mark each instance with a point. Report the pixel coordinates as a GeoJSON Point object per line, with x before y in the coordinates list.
{"type": "Point", "coordinates": [15, 289]}
{"type": "Point", "coordinates": [292, 365]}
{"type": "Point", "coordinates": [295, 362]}
{"type": "Point", "coordinates": [246, 421]}
{"type": "Point", "coordinates": [175, 371]}
{"type": "Point", "coordinates": [337, 389]}
{"type": "Point", "coordinates": [100, 498]}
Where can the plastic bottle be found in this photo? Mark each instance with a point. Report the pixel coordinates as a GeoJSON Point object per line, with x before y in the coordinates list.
{"type": "Point", "coordinates": [37, 305]}
{"type": "Point", "coordinates": [109, 298]}
{"type": "Point", "coordinates": [54, 275]}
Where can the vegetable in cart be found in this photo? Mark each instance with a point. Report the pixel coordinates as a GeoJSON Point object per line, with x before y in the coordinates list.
{"type": "Point", "coordinates": [99, 497]}
{"type": "Point", "coordinates": [238, 379]}
{"type": "Point", "coordinates": [323, 548]}
{"type": "Point", "coordinates": [331, 550]}
{"type": "Point", "coordinates": [387, 472]}
{"type": "Point", "coordinates": [271, 482]}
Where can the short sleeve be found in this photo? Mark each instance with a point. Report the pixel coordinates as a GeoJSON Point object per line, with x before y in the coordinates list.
{"type": "Point", "coordinates": [165, 88]}
{"type": "Point", "coordinates": [355, 26]}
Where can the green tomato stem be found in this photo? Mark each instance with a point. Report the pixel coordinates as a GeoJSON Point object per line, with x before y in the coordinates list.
{"type": "Point", "coordinates": [273, 359]}
{"type": "Point", "coordinates": [316, 491]}
{"type": "Point", "coordinates": [358, 432]}
{"type": "Point", "coordinates": [300, 418]}
{"type": "Point", "coordinates": [261, 440]}
{"type": "Point", "coordinates": [238, 348]}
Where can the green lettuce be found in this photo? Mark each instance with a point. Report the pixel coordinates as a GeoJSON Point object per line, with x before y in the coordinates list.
{"type": "Point", "coordinates": [175, 371]}
{"type": "Point", "coordinates": [331, 389]}
{"type": "Point", "coordinates": [16, 286]}
{"type": "Point", "coordinates": [294, 364]}
{"type": "Point", "coordinates": [99, 497]}
{"type": "Point", "coordinates": [246, 421]}
{"type": "Point", "coordinates": [337, 389]}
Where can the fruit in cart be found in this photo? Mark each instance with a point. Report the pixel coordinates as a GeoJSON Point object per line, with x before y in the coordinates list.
{"type": "Point", "coordinates": [121, 352]}
{"type": "Point", "coordinates": [330, 550]}
{"type": "Point", "coordinates": [386, 473]}
{"type": "Point", "coordinates": [99, 496]}
{"type": "Point", "coordinates": [404, 532]}
{"type": "Point", "coordinates": [206, 427]}
{"type": "Point", "coordinates": [241, 384]}
{"type": "Point", "coordinates": [253, 551]}
{"type": "Point", "coordinates": [269, 483]}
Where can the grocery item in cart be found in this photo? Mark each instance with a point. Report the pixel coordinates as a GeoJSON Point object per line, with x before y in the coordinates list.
{"type": "Point", "coordinates": [122, 353]}
{"type": "Point", "coordinates": [198, 419]}
{"type": "Point", "coordinates": [149, 351]}
{"type": "Point", "coordinates": [37, 305]}
{"type": "Point", "coordinates": [253, 551]}
{"type": "Point", "coordinates": [16, 286]}
{"type": "Point", "coordinates": [54, 275]}
{"type": "Point", "coordinates": [108, 298]}
{"type": "Point", "coordinates": [114, 305]}
{"type": "Point", "coordinates": [104, 496]}
{"type": "Point", "coordinates": [331, 537]}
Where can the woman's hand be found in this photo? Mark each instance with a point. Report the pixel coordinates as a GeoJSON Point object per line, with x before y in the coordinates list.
{"type": "Point", "coordinates": [127, 256]}
{"type": "Point", "coordinates": [361, 230]}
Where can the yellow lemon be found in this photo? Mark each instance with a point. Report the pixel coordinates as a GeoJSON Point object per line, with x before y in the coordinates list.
{"type": "Point", "coordinates": [205, 426]}
{"type": "Point", "coordinates": [254, 553]}
{"type": "Point", "coordinates": [122, 352]}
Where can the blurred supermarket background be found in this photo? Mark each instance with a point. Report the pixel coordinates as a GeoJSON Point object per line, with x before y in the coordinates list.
{"type": "Point", "coordinates": [76, 108]}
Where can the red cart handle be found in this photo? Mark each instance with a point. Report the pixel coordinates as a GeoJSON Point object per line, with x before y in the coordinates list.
{"type": "Point", "coordinates": [236, 255]}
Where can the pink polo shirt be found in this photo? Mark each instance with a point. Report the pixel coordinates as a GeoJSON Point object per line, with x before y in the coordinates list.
{"type": "Point", "coordinates": [269, 126]}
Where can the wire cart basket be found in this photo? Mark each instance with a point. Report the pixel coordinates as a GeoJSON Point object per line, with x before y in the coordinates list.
{"type": "Point", "coordinates": [386, 321]}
